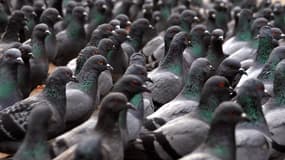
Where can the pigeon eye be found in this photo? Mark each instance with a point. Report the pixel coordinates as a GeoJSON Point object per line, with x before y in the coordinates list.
{"type": "Point", "coordinates": [134, 83]}
{"type": "Point", "coordinates": [260, 88]}
{"type": "Point", "coordinates": [100, 62]}
{"type": "Point", "coordinates": [221, 84]}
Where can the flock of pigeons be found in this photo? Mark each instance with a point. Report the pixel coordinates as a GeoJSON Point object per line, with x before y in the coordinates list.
{"type": "Point", "coordinates": [142, 80]}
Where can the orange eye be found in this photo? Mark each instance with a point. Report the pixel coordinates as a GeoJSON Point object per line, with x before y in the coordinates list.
{"type": "Point", "coordinates": [221, 84]}
{"type": "Point", "coordinates": [134, 83]}
{"type": "Point", "coordinates": [100, 62]}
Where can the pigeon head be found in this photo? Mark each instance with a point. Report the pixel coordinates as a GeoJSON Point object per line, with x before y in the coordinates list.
{"type": "Point", "coordinates": [106, 46]}
{"type": "Point", "coordinates": [101, 6]}
{"type": "Point", "coordinates": [120, 35]}
{"type": "Point", "coordinates": [18, 18]}
{"type": "Point", "coordinates": [130, 85]}
{"type": "Point", "coordinates": [217, 88]}
{"type": "Point", "coordinates": [279, 77]}
{"type": "Point", "coordinates": [115, 23]}
{"type": "Point", "coordinates": [98, 63]}
{"type": "Point", "coordinates": [26, 51]}
{"type": "Point", "coordinates": [217, 36]}
{"type": "Point", "coordinates": [140, 26]}
{"type": "Point", "coordinates": [257, 24]}
{"type": "Point", "coordinates": [187, 18]}
{"type": "Point", "coordinates": [61, 76]}
{"type": "Point", "coordinates": [229, 113]}
{"type": "Point", "coordinates": [174, 19]}
{"type": "Point", "coordinates": [170, 33]}
{"type": "Point", "coordinates": [137, 58]}
{"type": "Point", "coordinates": [84, 54]}
{"type": "Point", "coordinates": [202, 69]}
{"type": "Point", "coordinates": [106, 29]}
{"type": "Point", "coordinates": [29, 11]}
{"type": "Point", "coordinates": [277, 33]}
{"type": "Point", "coordinates": [138, 70]}
{"type": "Point", "coordinates": [40, 31]}
{"type": "Point", "coordinates": [181, 38]}
{"type": "Point", "coordinates": [50, 16]}
{"type": "Point", "coordinates": [277, 8]}
{"type": "Point", "coordinates": [12, 56]}
{"type": "Point", "coordinates": [79, 13]}
{"type": "Point", "coordinates": [115, 102]}
{"type": "Point", "coordinates": [251, 93]}
{"type": "Point", "coordinates": [39, 7]}
{"type": "Point", "coordinates": [212, 14]}
{"type": "Point", "coordinates": [69, 7]}
{"type": "Point", "coordinates": [124, 20]}
{"type": "Point", "coordinates": [230, 68]}
{"type": "Point", "coordinates": [199, 33]}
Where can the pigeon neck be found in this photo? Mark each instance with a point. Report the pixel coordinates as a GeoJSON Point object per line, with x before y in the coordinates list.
{"type": "Point", "coordinates": [96, 16]}
{"type": "Point", "coordinates": [221, 141]}
{"type": "Point", "coordinates": [38, 47]}
{"type": "Point", "coordinates": [165, 12]}
{"type": "Point", "coordinates": [243, 32]}
{"type": "Point", "coordinates": [108, 122]}
{"type": "Point", "coordinates": [75, 29]}
{"type": "Point", "coordinates": [267, 72]}
{"type": "Point", "coordinates": [124, 90]}
{"type": "Point", "coordinates": [279, 91]}
{"type": "Point", "coordinates": [88, 80]}
{"type": "Point", "coordinates": [264, 49]}
{"type": "Point", "coordinates": [174, 58]}
{"type": "Point", "coordinates": [279, 20]}
{"type": "Point", "coordinates": [193, 87]}
{"type": "Point", "coordinates": [252, 107]}
{"type": "Point", "coordinates": [136, 38]}
{"type": "Point", "coordinates": [55, 93]}
{"type": "Point", "coordinates": [198, 49]}
{"type": "Point", "coordinates": [186, 27]}
{"type": "Point", "coordinates": [207, 105]}
{"type": "Point", "coordinates": [222, 19]}
{"type": "Point", "coordinates": [215, 50]}
{"type": "Point", "coordinates": [8, 73]}
{"type": "Point", "coordinates": [67, 19]}
{"type": "Point", "coordinates": [167, 42]}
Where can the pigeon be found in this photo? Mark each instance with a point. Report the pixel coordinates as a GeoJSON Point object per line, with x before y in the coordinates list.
{"type": "Point", "coordinates": [13, 119]}
{"type": "Point", "coordinates": [10, 38]}
{"type": "Point", "coordinates": [124, 21]}
{"type": "Point", "coordinates": [39, 7]}
{"type": "Point", "coordinates": [138, 29]}
{"type": "Point", "coordinates": [187, 100]}
{"type": "Point", "coordinates": [50, 16]}
{"type": "Point", "coordinates": [35, 145]}
{"type": "Point", "coordinates": [187, 18]}
{"type": "Point", "coordinates": [220, 142]}
{"type": "Point", "coordinates": [3, 19]}
{"type": "Point", "coordinates": [253, 136]}
{"type": "Point", "coordinates": [31, 19]}
{"type": "Point", "coordinates": [242, 34]}
{"type": "Point", "coordinates": [107, 127]}
{"type": "Point", "coordinates": [278, 11]}
{"type": "Point", "coordinates": [39, 64]}
{"type": "Point", "coordinates": [182, 135]}
{"type": "Point", "coordinates": [81, 96]}
{"type": "Point", "coordinates": [215, 53]}
{"type": "Point", "coordinates": [74, 36]}
{"type": "Point", "coordinates": [10, 93]}
{"type": "Point", "coordinates": [168, 77]}
{"type": "Point", "coordinates": [61, 25]}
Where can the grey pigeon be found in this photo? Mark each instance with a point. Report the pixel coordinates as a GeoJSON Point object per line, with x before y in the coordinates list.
{"type": "Point", "coordinates": [220, 142]}
{"type": "Point", "coordinates": [13, 119]}
{"type": "Point", "coordinates": [168, 77]}
{"type": "Point", "coordinates": [107, 127]}
{"type": "Point", "coordinates": [35, 145]}
{"type": "Point", "coordinates": [81, 96]}
{"type": "Point", "coordinates": [10, 93]}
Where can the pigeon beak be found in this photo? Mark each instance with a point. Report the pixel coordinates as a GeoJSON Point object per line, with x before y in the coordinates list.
{"type": "Point", "coordinates": [31, 55]}
{"type": "Point", "coordinates": [150, 26]}
{"type": "Point", "coordinates": [130, 106]}
{"type": "Point", "coordinates": [129, 37]}
{"type": "Point", "coordinates": [282, 36]}
{"type": "Point", "coordinates": [257, 36]}
{"type": "Point", "coordinates": [213, 15]}
{"type": "Point", "coordinates": [109, 67]}
{"type": "Point", "coordinates": [74, 79]}
{"type": "Point", "coordinates": [211, 68]}
{"type": "Point", "coordinates": [59, 18]}
{"type": "Point", "coordinates": [244, 117]}
{"type": "Point", "coordinates": [117, 26]}
{"type": "Point", "coordinates": [232, 92]}
{"type": "Point", "coordinates": [266, 94]}
{"type": "Point", "coordinates": [196, 19]}
{"type": "Point", "coordinates": [84, 13]}
{"type": "Point", "coordinates": [221, 38]}
{"type": "Point", "coordinates": [242, 71]}
{"type": "Point", "coordinates": [113, 32]}
{"type": "Point", "coordinates": [148, 80]}
{"type": "Point", "coordinates": [19, 60]}
{"type": "Point", "coordinates": [145, 89]}
{"type": "Point", "coordinates": [34, 14]}
{"type": "Point", "coordinates": [104, 6]}
{"type": "Point", "coordinates": [129, 22]}
{"type": "Point", "coordinates": [47, 32]}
